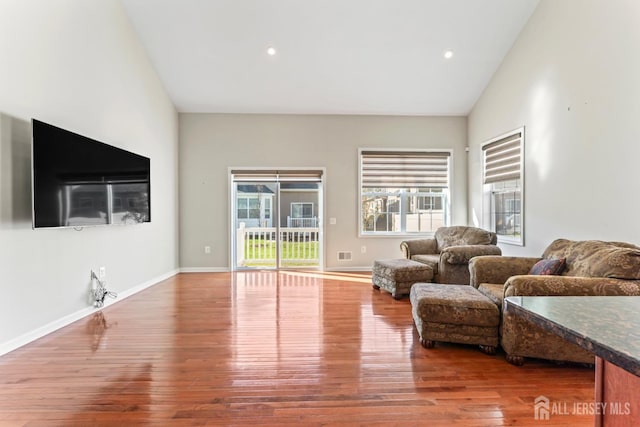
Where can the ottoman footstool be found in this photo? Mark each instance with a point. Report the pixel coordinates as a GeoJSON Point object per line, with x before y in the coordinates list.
{"type": "Point", "coordinates": [456, 314]}
{"type": "Point", "coordinates": [398, 275]}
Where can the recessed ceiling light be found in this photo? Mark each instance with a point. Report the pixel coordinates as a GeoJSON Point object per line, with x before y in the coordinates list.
{"type": "Point", "coordinates": [271, 51]}
{"type": "Point", "coordinates": [448, 54]}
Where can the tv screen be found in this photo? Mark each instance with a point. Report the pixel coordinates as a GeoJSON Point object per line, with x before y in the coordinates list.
{"type": "Point", "coordinates": [78, 181]}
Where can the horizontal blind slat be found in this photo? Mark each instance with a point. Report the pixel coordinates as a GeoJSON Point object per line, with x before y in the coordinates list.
{"type": "Point", "coordinates": [509, 161]}
{"type": "Point", "coordinates": [499, 178]}
{"type": "Point", "coordinates": [512, 152]}
{"type": "Point", "coordinates": [510, 169]}
{"type": "Point", "coordinates": [511, 141]}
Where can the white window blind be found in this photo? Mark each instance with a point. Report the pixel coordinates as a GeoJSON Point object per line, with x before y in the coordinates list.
{"type": "Point", "coordinates": [503, 158]}
{"type": "Point", "coordinates": [405, 169]}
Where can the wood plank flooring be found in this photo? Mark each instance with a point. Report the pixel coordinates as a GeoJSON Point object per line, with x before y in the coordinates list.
{"type": "Point", "coordinates": [272, 348]}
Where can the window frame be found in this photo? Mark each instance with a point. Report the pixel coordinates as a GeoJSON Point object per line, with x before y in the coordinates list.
{"type": "Point", "coordinates": [248, 209]}
{"type": "Point", "coordinates": [489, 189]}
{"type": "Point", "coordinates": [403, 196]}
{"type": "Point", "coordinates": [302, 205]}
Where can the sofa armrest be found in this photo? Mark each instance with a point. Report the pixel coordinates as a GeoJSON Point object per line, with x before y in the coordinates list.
{"type": "Point", "coordinates": [418, 247]}
{"type": "Point", "coordinates": [462, 254]}
{"type": "Point", "coordinates": [497, 269]}
{"type": "Point", "coordinates": [569, 286]}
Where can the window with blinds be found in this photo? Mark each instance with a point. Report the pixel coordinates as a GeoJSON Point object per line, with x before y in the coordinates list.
{"type": "Point", "coordinates": [404, 192]}
{"type": "Point", "coordinates": [503, 178]}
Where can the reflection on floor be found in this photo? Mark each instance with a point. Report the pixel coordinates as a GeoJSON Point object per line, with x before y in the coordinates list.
{"type": "Point", "coordinates": [270, 348]}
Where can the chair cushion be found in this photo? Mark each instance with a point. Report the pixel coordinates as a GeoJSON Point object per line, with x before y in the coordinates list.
{"type": "Point", "coordinates": [493, 291]}
{"type": "Point", "coordinates": [462, 235]}
{"type": "Point", "coordinates": [429, 259]}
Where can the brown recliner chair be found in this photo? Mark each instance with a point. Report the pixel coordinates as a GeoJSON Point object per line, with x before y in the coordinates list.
{"type": "Point", "coordinates": [449, 251]}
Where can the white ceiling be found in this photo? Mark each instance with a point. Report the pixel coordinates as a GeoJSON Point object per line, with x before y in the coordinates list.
{"type": "Point", "coordinates": [333, 56]}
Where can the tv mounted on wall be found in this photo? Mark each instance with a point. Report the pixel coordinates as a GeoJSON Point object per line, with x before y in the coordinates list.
{"type": "Point", "coordinates": [78, 181]}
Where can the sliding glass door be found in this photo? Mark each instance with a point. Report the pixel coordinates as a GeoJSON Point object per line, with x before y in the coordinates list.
{"type": "Point", "coordinates": [276, 219]}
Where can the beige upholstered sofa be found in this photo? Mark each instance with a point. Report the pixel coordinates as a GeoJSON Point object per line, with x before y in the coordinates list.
{"type": "Point", "coordinates": [592, 268]}
{"type": "Point", "coordinates": [449, 251]}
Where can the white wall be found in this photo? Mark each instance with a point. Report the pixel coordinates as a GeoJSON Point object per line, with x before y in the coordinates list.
{"type": "Point", "coordinates": [572, 79]}
{"type": "Point", "coordinates": [211, 143]}
{"type": "Point", "coordinates": [77, 64]}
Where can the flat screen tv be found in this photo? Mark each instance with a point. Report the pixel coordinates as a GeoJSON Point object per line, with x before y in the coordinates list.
{"type": "Point", "coordinates": [78, 181]}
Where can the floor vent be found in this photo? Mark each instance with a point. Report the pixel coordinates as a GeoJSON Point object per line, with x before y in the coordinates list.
{"type": "Point", "coordinates": [344, 256]}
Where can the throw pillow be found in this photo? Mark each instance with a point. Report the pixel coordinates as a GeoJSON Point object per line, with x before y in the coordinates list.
{"type": "Point", "coordinates": [552, 266]}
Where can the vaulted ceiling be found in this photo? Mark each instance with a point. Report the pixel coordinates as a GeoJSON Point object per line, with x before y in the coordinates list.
{"type": "Point", "coordinates": [331, 56]}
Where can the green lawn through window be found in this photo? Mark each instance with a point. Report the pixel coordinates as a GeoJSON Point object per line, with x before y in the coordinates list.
{"type": "Point", "coordinates": [260, 252]}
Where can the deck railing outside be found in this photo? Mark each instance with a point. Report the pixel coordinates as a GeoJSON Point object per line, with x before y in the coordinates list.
{"type": "Point", "coordinates": [256, 246]}
{"type": "Point", "coordinates": [302, 222]}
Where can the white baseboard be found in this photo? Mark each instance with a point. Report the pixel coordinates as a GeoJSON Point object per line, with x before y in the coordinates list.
{"type": "Point", "coordinates": [24, 339]}
{"type": "Point", "coordinates": [226, 270]}
{"type": "Point", "coordinates": [204, 270]}
{"type": "Point", "coordinates": [145, 285]}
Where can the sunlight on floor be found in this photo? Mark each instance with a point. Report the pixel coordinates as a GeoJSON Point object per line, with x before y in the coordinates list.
{"type": "Point", "coordinates": [348, 277]}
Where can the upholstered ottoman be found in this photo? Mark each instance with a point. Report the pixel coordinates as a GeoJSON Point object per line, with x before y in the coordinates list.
{"type": "Point", "coordinates": [454, 313]}
{"type": "Point", "coordinates": [398, 275]}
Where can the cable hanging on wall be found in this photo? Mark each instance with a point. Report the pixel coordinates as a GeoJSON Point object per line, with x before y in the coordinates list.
{"type": "Point", "coordinates": [99, 290]}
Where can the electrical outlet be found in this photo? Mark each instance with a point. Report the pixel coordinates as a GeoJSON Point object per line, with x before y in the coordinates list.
{"type": "Point", "coordinates": [102, 273]}
{"type": "Point", "coordinates": [363, 249]}
{"type": "Point", "coordinates": [207, 249]}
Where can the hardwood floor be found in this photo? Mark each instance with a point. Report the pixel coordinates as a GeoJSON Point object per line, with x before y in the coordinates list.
{"type": "Point", "coordinates": [269, 348]}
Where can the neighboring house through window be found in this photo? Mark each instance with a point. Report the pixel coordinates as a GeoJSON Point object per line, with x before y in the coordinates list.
{"type": "Point", "coordinates": [403, 191]}
{"type": "Point", "coordinates": [301, 210]}
{"type": "Point", "coordinates": [248, 208]}
{"type": "Point", "coordinates": [253, 205]}
{"type": "Point", "coordinates": [503, 179]}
